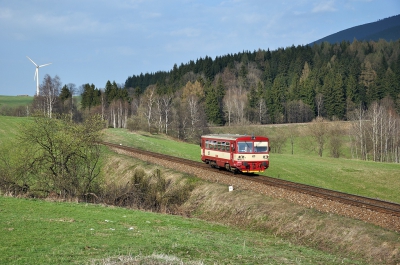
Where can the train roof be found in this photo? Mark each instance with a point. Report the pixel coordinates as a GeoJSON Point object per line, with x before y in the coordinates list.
{"type": "Point", "coordinates": [232, 136]}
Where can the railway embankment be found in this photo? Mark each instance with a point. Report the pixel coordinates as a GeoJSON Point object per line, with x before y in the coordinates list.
{"type": "Point", "coordinates": [302, 219]}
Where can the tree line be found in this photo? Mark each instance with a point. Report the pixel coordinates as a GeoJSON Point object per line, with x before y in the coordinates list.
{"type": "Point", "coordinates": [297, 83]}
{"type": "Point", "coordinates": [288, 85]}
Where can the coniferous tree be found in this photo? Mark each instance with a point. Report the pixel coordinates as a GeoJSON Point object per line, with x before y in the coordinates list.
{"type": "Point", "coordinates": [207, 68]}
{"type": "Point", "coordinates": [213, 103]}
{"type": "Point", "coordinates": [389, 82]}
{"type": "Point", "coordinates": [328, 93]}
{"type": "Point", "coordinates": [294, 77]}
{"type": "Point", "coordinates": [278, 98]}
{"type": "Point", "coordinates": [339, 96]}
{"type": "Point", "coordinates": [352, 89]}
{"type": "Point", "coordinates": [91, 96]}
{"type": "Point", "coordinates": [252, 99]}
{"type": "Point", "coordinates": [334, 96]}
{"type": "Point", "coordinates": [65, 93]}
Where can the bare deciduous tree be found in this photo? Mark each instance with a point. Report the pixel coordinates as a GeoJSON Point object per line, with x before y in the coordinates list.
{"type": "Point", "coordinates": [318, 130]}
{"type": "Point", "coordinates": [278, 140]}
{"type": "Point", "coordinates": [228, 105]}
{"type": "Point", "coordinates": [376, 132]}
{"type": "Point", "coordinates": [319, 103]}
{"type": "Point", "coordinates": [335, 139]}
{"type": "Point", "coordinates": [192, 94]}
{"type": "Point", "coordinates": [167, 105]}
{"type": "Point", "coordinates": [49, 90]}
{"type": "Point", "coordinates": [148, 100]}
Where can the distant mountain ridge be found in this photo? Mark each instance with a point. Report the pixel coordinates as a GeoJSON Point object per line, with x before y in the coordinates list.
{"type": "Point", "coordinates": [387, 29]}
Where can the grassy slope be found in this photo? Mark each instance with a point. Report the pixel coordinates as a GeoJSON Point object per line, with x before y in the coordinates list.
{"type": "Point", "coordinates": [26, 248]}
{"type": "Point", "coordinates": [15, 101]}
{"type": "Point", "coordinates": [377, 180]}
{"type": "Point", "coordinates": [40, 232]}
{"type": "Point", "coordinates": [9, 127]}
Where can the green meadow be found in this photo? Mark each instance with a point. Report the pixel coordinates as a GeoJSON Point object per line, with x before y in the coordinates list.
{"type": "Point", "coordinates": [42, 232]}
{"type": "Point", "coordinates": [15, 101]}
{"type": "Point", "coordinates": [45, 232]}
{"type": "Point", "coordinates": [366, 178]}
{"type": "Point", "coordinates": [9, 127]}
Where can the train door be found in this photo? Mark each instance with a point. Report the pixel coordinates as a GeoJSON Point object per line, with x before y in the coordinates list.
{"type": "Point", "coordinates": [202, 144]}
{"type": "Point", "coordinates": [232, 150]}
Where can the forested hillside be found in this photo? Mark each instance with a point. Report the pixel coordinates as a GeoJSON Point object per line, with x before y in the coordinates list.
{"type": "Point", "coordinates": [357, 81]}
{"type": "Point", "coordinates": [294, 84]}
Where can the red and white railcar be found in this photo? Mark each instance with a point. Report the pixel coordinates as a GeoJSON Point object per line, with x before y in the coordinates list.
{"type": "Point", "coordinates": [237, 153]}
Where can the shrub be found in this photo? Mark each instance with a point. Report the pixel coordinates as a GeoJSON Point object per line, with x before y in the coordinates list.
{"type": "Point", "coordinates": [53, 156]}
{"type": "Point", "coordinates": [149, 192]}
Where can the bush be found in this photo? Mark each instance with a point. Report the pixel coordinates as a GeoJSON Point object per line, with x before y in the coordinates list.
{"type": "Point", "coordinates": [149, 192]}
{"type": "Point", "coordinates": [134, 124]}
{"type": "Point", "coordinates": [52, 156]}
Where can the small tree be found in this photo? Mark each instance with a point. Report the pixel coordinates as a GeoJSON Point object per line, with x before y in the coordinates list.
{"type": "Point", "coordinates": [278, 141]}
{"type": "Point", "coordinates": [50, 89]}
{"type": "Point", "coordinates": [318, 130]}
{"type": "Point", "coordinates": [55, 155]}
{"type": "Point", "coordinates": [335, 140]}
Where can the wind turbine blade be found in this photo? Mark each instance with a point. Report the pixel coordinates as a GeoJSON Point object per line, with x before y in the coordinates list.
{"type": "Point", "coordinates": [44, 64]}
{"type": "Point", "coordinates": [36, 74]}
{"type": "Point", "coordinates": [31, 61]}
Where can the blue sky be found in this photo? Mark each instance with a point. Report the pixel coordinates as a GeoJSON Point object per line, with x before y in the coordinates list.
{"type": "Point", "coordinates": [92, 41]}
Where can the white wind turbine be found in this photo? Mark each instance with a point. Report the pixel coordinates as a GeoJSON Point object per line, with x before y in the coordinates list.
{"type": "Point", "coordinates": [37, 74]}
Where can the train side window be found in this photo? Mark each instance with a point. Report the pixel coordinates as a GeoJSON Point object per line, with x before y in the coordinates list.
{"type": "Point", "coordinates": [260, 147]}
{"type": "Point", "coordinates": [207, 144]}
{"type": "Point", "coordinates": [227, 146]}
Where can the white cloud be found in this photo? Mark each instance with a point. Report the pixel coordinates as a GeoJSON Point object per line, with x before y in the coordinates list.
{"type": "Point", "coordinates": [325, 6]}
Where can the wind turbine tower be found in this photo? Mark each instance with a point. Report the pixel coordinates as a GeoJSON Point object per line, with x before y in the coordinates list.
{"type": "Point", "coordinates": [37, 74]}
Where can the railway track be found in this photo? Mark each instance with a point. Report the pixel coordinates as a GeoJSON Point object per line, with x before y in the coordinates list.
{"type": "Point", "coordinates": [349, 199]}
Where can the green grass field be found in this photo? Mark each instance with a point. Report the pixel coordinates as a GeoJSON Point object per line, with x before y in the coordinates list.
{"type": "Point", "coordinates": [41, 232]}
{"type": "Point", "coordinates": [15, 101]}
{"type": "Point", "coordinates": [371, 179]}
{"type": "Point", "coordinates": [9, 127]}
{"type": "Point", "coordinates": [366, 178]}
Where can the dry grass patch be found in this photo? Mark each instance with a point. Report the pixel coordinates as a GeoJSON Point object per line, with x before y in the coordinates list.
{"type": "Point", "coordinates": [249, 210]}
{"type": "Point", "coordinates": [309, 227]}
{"type": "Point", "coordinates": [155, 259]}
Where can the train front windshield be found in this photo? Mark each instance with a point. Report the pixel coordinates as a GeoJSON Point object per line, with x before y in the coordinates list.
{"type": "Point", "coordinates": [245, 147]}
{"type": "Point", "coordinates": [249, 147]}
